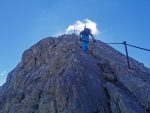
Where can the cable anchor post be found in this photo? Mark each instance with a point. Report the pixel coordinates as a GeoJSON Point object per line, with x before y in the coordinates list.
{"type": "Point", "coordinates": [127, 56]}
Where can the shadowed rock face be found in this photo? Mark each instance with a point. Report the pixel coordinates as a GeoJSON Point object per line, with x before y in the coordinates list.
{"type": "Point", "coordinates": [55, 76]}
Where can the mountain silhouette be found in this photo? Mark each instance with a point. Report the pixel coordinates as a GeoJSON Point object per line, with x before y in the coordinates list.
{"type": "Point", "coordinates": [56, 76]}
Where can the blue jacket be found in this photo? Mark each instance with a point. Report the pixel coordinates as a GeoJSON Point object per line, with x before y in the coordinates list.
{"type": "Point", "coordinates": [84, 35]}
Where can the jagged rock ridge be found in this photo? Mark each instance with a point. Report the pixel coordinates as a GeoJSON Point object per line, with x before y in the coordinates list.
{"type": "Point", "coordinates": [55, 76]}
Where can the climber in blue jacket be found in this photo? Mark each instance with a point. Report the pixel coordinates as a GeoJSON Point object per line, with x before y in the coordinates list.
{"type": "Point", "coordinates": [84, 37]}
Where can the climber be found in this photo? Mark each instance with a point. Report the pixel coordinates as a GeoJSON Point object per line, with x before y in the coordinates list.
{"type": "Point", "coordinates": [84, 37]}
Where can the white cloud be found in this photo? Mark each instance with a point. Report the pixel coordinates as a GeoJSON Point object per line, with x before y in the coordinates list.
{"type": "Point", "coordinates": [3, 73]}
{"type": "Point", "coordinates": [79, 25]}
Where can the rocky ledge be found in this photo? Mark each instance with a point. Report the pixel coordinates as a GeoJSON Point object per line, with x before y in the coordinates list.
{"type": "Point", "coordinates": [55, 76]}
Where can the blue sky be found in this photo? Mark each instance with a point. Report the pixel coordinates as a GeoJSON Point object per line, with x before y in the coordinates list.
{"type": "Point", "coordinates": [24, 22]}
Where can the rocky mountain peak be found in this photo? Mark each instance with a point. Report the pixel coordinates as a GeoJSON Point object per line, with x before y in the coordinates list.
{"type": "Point", "coordinates": [55, 76]}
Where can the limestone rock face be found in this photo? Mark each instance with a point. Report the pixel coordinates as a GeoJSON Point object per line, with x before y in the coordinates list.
{"type": "Point", "coordinates": [55, 76]}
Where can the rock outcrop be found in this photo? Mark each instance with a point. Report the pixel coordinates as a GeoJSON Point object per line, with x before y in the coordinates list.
{"type": "Point", "coordinates": [55, 76]}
